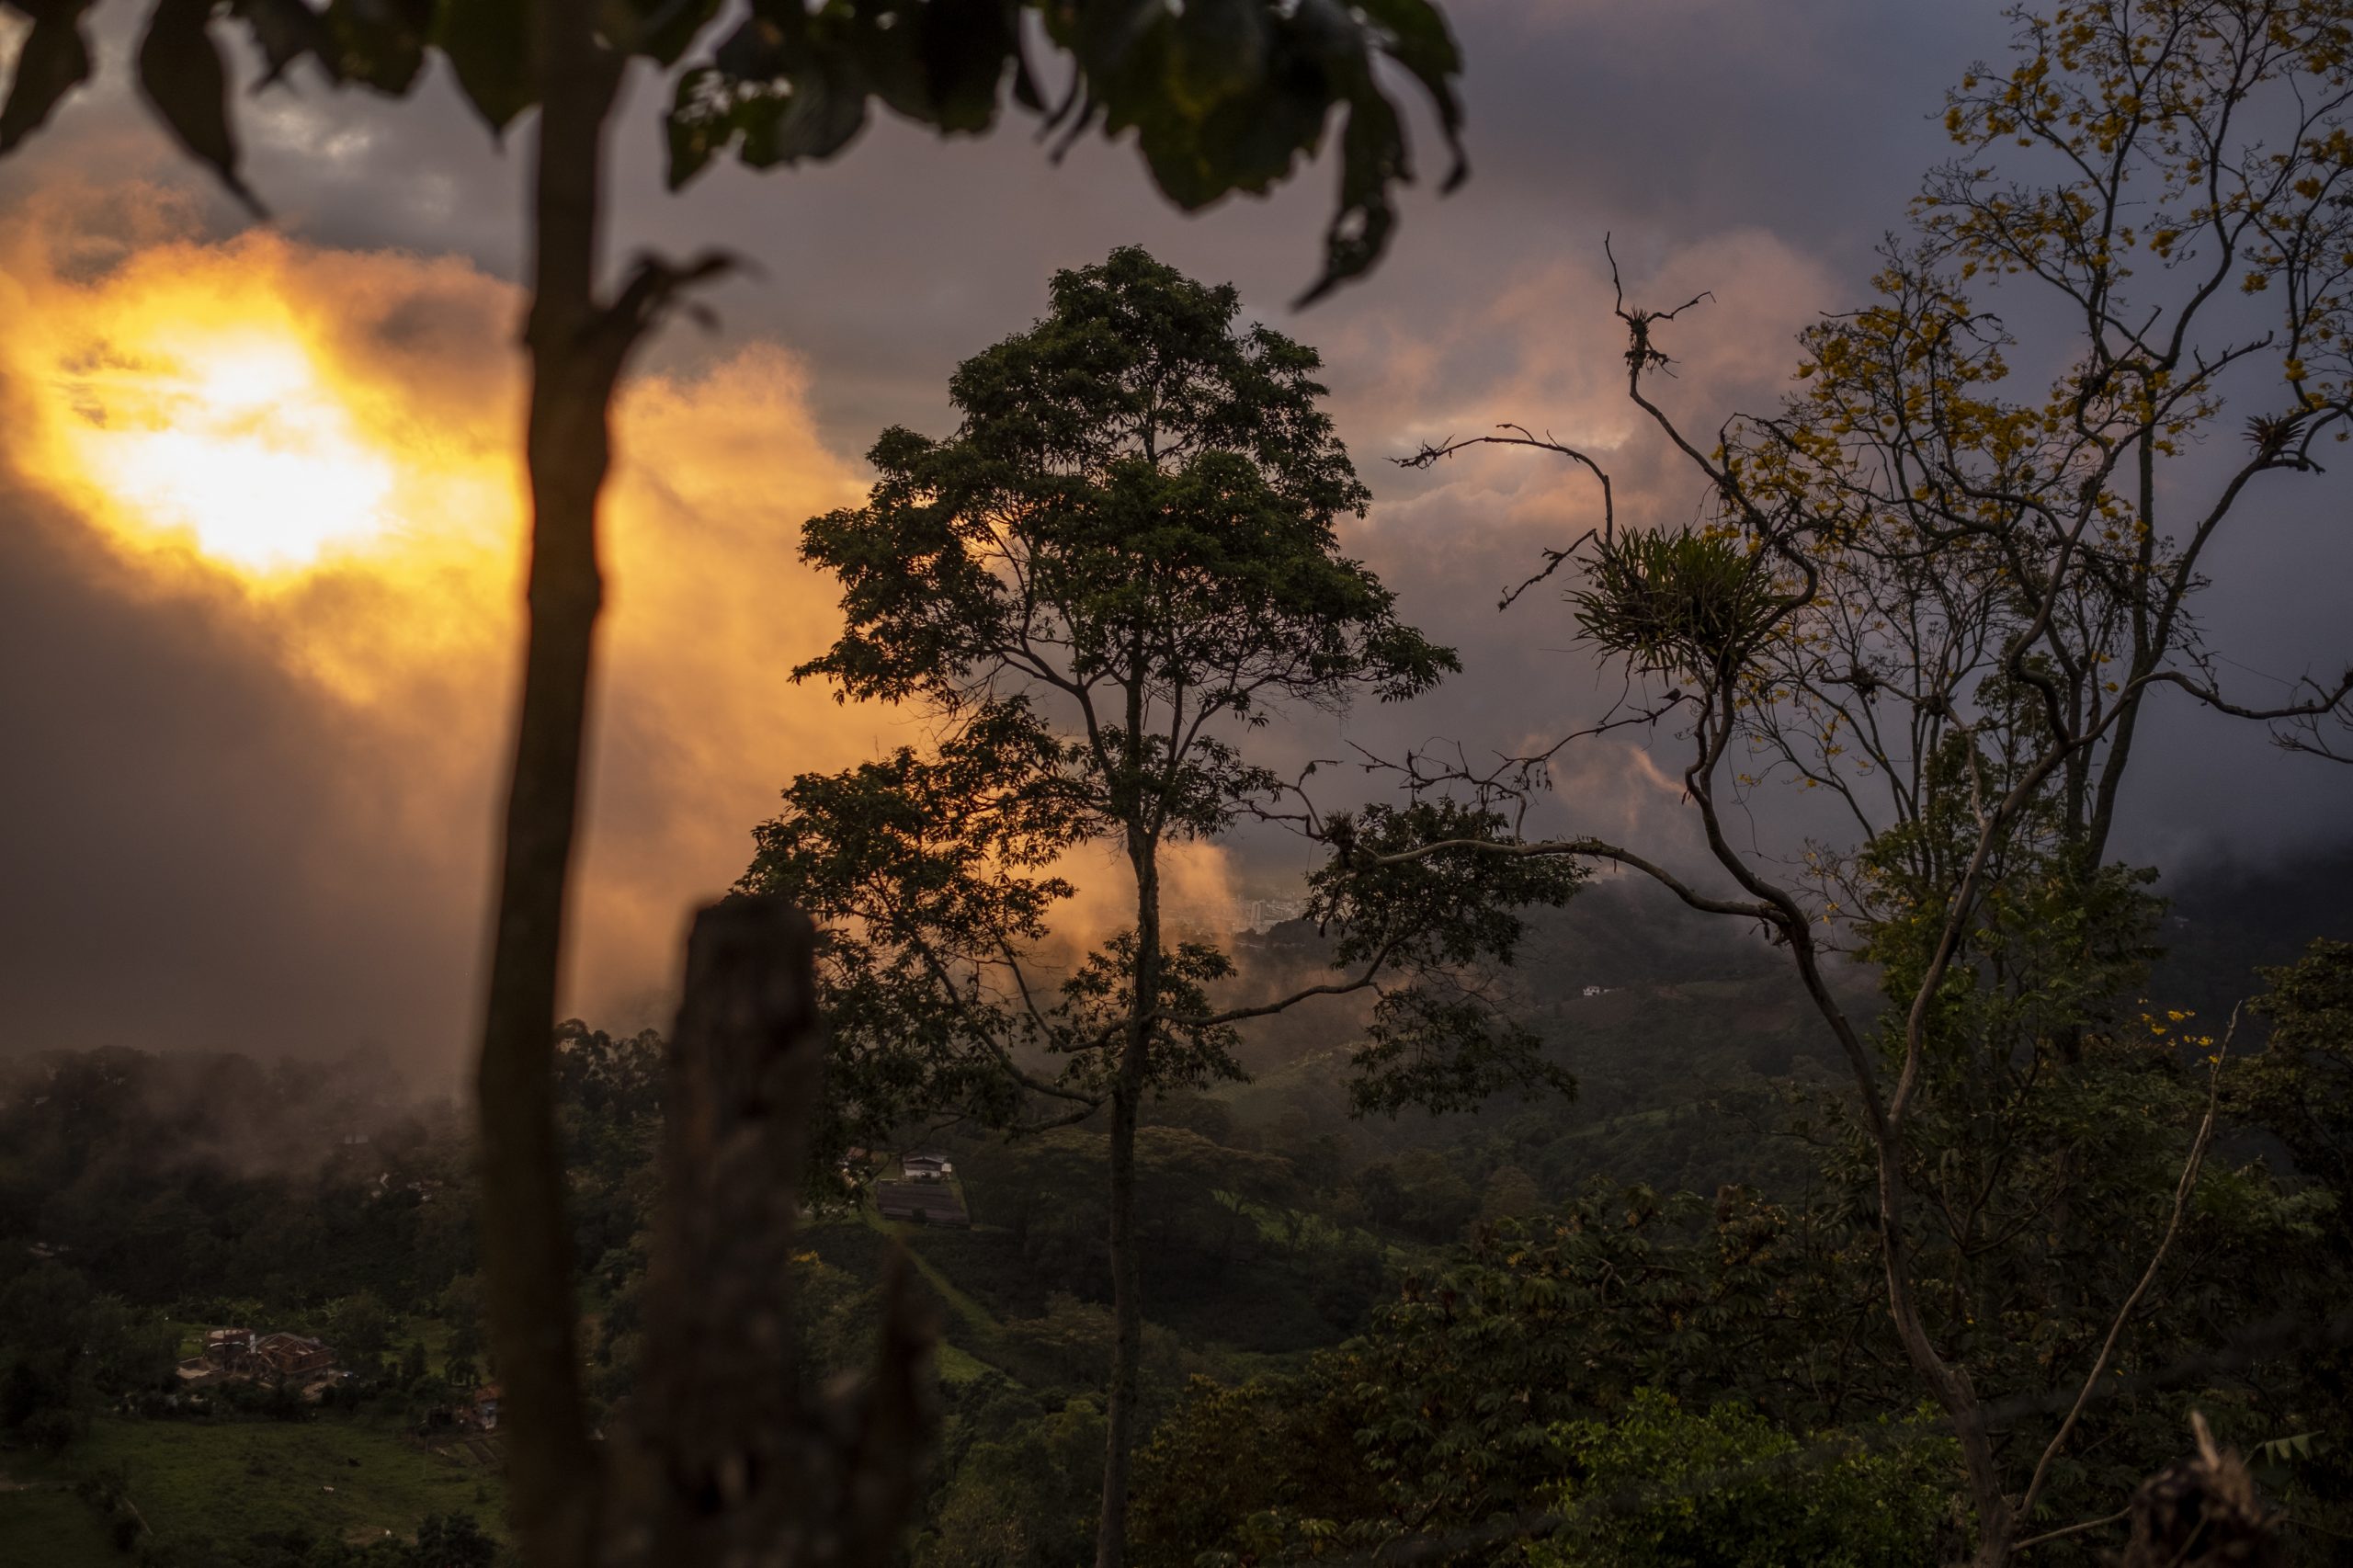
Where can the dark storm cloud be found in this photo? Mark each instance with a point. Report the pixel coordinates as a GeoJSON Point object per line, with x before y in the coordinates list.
{"type": "Point", "coordinates": [193, 853]}
{"type": "Point", "coordinates": [171, 873]}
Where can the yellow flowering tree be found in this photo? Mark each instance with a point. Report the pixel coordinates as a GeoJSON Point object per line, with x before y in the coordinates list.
{"type": "Point", "coordinates": [1937, 588]}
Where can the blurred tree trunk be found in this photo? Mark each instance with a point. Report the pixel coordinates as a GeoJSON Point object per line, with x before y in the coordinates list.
{"type": "Point", "coordinates": [527, 1256]}
{"type": "Point", "coordinates": [731, 1461]}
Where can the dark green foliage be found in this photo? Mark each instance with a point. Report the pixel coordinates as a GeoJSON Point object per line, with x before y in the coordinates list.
{"type": "Point", "coordinates": [1225, 96]}
{"type": "Point", "coordinates": [1421, 1194]}
{"type": "Point", "coordinates": [1236, 1474]}
{"type": "Point", "coordinates": [2297, 1091]}
{"type": "Point", "coordinates": [442, 1541]}
{"type": "Point", "coordinates": [1453, 1396]}
{"type": "Point", "coordinates": [609, 1106]}
{"type": "Point", "coordinates": [1569, 1313]}
{"type": "Point", "coordinates": [1665, 1485]}
{"type": "Point", "coordinates": [65, 1349]}
{"type": "Point", "coordinates": [1449, 918]}
{"type": "Point", "coordinates": [452, 1541]}
{"type": "Point", "coordinates": [1023, 1496]}
{"type": "Point", "coordinates": [47, 1325]}
{"type": "Point", "coordinates": [2300, 1087]}
{"type": "Point", "coordinates": [1218, 1265]}
{"type": "Point", "coordinates": [168, 1178]}
{"type": "Point", "coordinates": [55, 60]}
{"type": "Point", "coordinates": [1120, 564]}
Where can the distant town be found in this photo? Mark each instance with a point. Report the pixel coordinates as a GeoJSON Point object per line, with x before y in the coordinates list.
{"type": "Point", "coordinates": [309, 1367]}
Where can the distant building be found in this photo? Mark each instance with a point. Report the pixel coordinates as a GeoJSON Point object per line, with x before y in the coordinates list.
{"type": "Point", "coordinates": [928, 1167]}
{"type": "Point", "coordinates": [479, 1414]}
{"type": "Point", "coordinates": [932, 1202]}
{"type": "Point", "coordinates": [1256, 915]}
{"type": "Point", "coordinates": [225, 1348]}
{"type": "Point", "coordinates": [292, 1356]}
{"type": "Point", "coordinates": [241, 1352]}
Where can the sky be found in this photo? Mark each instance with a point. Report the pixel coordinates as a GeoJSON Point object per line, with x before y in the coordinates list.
{"type": "Point", "coordinates": [259, 508]}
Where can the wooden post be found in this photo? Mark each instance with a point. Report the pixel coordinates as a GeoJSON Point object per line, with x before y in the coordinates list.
{"type": "Point", "coordinates": [732, 1458]}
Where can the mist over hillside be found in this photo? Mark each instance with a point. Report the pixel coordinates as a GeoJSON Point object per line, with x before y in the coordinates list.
{"type": "Point", "coordinates": [2226, 920]}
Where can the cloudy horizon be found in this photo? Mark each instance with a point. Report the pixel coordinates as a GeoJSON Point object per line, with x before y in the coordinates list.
{"type": "Point", "coordinates": [252, 798]}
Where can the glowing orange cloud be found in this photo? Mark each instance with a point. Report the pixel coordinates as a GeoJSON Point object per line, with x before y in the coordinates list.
{"type": "Point", "coordinates": [187, 401]}
{"type": "Point", "coordinates": [236, 442]}
{"type": "Point", "coordinates": [319, 447]}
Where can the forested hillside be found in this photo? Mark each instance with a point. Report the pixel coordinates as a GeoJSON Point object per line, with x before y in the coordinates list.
{"type": "Point", "coordinates": [1730, 1088]}
{"type": "Point", "coordinates": [1312, 1270]}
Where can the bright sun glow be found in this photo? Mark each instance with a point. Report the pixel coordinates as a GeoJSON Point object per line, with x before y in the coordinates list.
{"type": "Point", "coordinates": [240, 445]}
{"type": "Point", "coordinates": [323, 438]}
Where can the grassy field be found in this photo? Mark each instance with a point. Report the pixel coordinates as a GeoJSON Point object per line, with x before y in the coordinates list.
{"type": "Point", "coordinates": [52, 1527]}
{"type": "Point", "coordinates": [957, 1365]}
{"type": "Point", "coordinates": [347, 1479]}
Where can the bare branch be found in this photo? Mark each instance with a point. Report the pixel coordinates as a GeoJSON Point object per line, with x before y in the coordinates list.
{"type": "Point", "coordinates": [2124, 1313]}
{"type": "Point", "coordinates": [2118, 1517]}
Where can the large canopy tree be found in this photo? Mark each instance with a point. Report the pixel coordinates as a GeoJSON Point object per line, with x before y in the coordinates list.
{"type": "Point", "coordinates": [1120, 566]}
{"type": "Point", "coordinates": [1221, 97]}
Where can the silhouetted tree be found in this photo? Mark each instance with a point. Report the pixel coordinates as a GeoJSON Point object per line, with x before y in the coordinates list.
{"type": "Point", "coordinates": [1121, 565]}
{"type": "Point", "coordinates": [1222, 98]}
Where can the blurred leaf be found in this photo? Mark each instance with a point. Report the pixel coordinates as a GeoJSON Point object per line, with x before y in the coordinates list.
{"type": "Point", "coordinates": [181, 73]}
{"type": "Point", "coordinates": [665, 27]}
{"type": "Point", "coordinates": [1025, 85]}
{"type": "Point", "coordinates": [1373, 157]}
{"type": "Point", "coordinates": [1220, 50]}
{"type": "Point", "coordinates": [826, 108]}
{"type": "Point", "coordinates": [965, 47]}
{"type": "Point", "coordinates": [490, 50]}
{"type": "Point", "coordinates": [54, 60]}
{"type": "Point", "coordinates": [695, 127]}
{"type": "Point", "coordinates": [380, 43]}
{"type": "Point", "coordinates": [1221, 94]}
{"type": "Point", "coordinates": [1419, 39]}
{"type": "Point", "coordinates": [286, 31]}
{"type": "Point", "coordinates": [754, 52]}
{"type": "Point", "coordinates": [1102, 33]}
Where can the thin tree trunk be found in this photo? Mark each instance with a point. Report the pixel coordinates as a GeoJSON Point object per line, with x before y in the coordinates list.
{"type": "Point", "coordinates": [1127, 1274]}
{"type": "Point", "coordinates": [1950, 1383]}
{"type": "Point", "coordinates": [524, 1242]}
